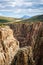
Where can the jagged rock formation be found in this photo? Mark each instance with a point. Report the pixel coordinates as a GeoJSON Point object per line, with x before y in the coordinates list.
{"type": "Point", "coordinates": [8, 45]}
{"type": "Point", "coordinates": [31, 35]}
{"type": "Point", "coordinates": [24, 57]}
{"type": "Point", "coordinates": [37, 44]}
{"type": "Point", "coordinates": [25, 32]}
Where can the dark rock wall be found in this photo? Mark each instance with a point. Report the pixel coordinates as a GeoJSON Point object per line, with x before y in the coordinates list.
{"type": "Point", "coordinates": [24, 57]}
{"type": "Point", "coordinates": [29, 35]}
{"type": "Point", "coordinates": [26, 33]}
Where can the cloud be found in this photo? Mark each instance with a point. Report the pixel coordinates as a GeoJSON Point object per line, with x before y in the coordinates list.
{"type": "Point", "coordinates": [22, 6]}
{"type": "Point", "coordinates": [4, 10]}
{"type": "Point", "coordinates": [1, 6]}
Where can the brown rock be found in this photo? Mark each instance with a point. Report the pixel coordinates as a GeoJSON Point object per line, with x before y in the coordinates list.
{"type": "Point", "coordinates": [31, 35]}
{"type": "Point", "coordinates": [24, 57]}
{"type": "Point", "coordinates": [25, 32]}
{"type": "Point", "coordinates": [37, 44]}
{"type": "Point", "coordinates": [8, 45]}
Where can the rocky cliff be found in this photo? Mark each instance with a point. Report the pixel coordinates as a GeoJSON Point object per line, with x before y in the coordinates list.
{"type": "Point", "coordinates": [24, 57]}
{"type": "Point", "coordinates": [31, 35]}
{"type": "Point", "coordinates": [26, 33]}
{"type": "Point", "coordinates": [8, 45]}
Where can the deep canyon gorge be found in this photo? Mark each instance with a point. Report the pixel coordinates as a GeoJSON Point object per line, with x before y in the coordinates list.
{"type": "Point", "coordinates": [21, 44]}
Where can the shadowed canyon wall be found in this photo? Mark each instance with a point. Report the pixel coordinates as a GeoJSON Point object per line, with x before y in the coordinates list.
{"type": "Point", "coordinates": [30, 35]}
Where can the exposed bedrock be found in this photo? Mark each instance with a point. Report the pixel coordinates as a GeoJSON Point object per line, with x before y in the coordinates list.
{"type": "Point", "coordinates": [24, 57]}
{"type": "Point", "coordinates": [8, 45]}
{"type": "Point", "coordinates": [31, 35]}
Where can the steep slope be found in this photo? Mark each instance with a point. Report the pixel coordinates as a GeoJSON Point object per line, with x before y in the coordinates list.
{"type": "Point", "coordinates": [8, 19]}
{"type": "Point", "coordinates": [33, 34]}
{"type": "Point", "coordinates": [24, 57]}
{"type": "Point", "coordinates": [24, 32]}
{"type": "Point", "coordinates": [28, 34]}
{"type": "Point", "coordinates": [8, 45]}
{"type": "Point", "coordinates": [34, 19]}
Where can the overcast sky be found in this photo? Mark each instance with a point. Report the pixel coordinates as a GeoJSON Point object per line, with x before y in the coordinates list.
{"type": "Point", "coordinates": [19, 8]}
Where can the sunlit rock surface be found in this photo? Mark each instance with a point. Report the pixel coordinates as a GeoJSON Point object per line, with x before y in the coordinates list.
{"type": "Point", "coordinates": [24, 57]}
{"type": "Point", "coordinates": [8, 45]}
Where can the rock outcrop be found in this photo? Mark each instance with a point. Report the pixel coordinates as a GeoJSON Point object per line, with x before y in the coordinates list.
{"type": "Point", "coordinates": [24, 57]}
{"type": "Point", "coordinates": [37, 44]}
{"type": "Point", "coordinates": [8, 45]}
{"type": "Point", "coordinates": [30, 35]}
{"type": "Point", "coordinates": [26, 33]}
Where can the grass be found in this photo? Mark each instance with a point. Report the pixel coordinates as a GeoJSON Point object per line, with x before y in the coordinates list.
{"type": "Point", "coordinates": [10, 20]}
{"type": "Point", "coordinates": [38, 18]}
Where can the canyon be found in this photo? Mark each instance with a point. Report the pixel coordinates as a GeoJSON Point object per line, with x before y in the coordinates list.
{"type": "Point", "coordinates": [21, 44]}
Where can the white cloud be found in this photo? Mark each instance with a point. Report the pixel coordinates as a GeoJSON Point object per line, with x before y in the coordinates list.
{"type": "Point", "coordinates": [2, 6]}
{"type": "Point", "coordinates": [35, 10]}
{"type": "Point", "coordinates": [19, 3]}
{"type": "Point", "coordinates": [6, 10]}
{"type": "Point", "coordinates": [19, 6]}
{"type": "Point", "coordinates": [6, 0]}
{"type": "Point", "coordinates": [17, 11]}
{"type": "Point", "coordinates": [28, 3]}
{"type": "Point", "coordinates": [13, 4]}
{"type": "Point", "coordinates": [28, 11]}
{"type": "Point", "coordinates": [37, 2]}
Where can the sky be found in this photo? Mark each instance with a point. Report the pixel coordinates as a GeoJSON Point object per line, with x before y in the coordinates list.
{"type": "Point", "coordinates": [19, 8]}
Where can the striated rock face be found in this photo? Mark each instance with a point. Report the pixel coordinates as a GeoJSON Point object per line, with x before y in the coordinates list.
{"type": "Point", "coordinates": [38, 52]}
{"type": "Point", "coordinates": [24, 57]}
{"type": "Point", "coordinates": [30, 35]}
{"type": "Point", "coordinates": [37, 44]}
{"type": "Point", "coordinates": [26, 32]}
{"type": "Point", "coordinates": [8, 45]}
